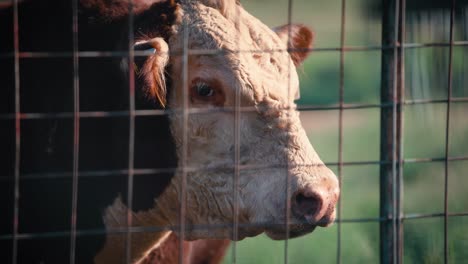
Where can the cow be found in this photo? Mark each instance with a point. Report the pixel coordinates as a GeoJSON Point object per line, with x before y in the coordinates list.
{"type": "Point", "coordinates": [221, 155]}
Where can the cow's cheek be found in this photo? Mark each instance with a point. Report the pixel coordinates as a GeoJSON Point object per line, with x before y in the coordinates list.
{"type": "Point", "coordinates": [259, 198]}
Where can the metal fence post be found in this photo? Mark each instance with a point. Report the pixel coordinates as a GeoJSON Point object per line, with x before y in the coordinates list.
{"type": "Point", "coordinates": [391, 124]}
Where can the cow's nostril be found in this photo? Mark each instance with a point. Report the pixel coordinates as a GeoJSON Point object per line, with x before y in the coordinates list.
{"type": "Point", "coordinates": [309, 206]}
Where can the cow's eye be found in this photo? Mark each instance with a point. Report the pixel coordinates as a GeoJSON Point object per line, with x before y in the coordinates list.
{"type": "Point", "coordinates": [204, 90]}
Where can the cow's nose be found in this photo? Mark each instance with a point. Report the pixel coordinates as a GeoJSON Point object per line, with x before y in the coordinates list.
{"type": "Point", "coordinates": [315, 205]}
{"type": "Point", "coordinates": [310, 205]}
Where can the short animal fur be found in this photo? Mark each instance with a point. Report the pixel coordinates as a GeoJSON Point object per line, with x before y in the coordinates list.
{"type": "Point", "coordinates": [253, 65]}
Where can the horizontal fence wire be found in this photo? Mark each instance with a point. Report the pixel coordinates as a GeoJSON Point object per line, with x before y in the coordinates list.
{"type": "Point", "coordinates": [148, 112]}
{"type": "Point", "coordinates": [133, 113]}
{"type": "Point", "coordinates": [149, 171]}
{"type": "Point", "coordinates": [150, 229]}
{"type": "Point", "coordinates": [119, 54]}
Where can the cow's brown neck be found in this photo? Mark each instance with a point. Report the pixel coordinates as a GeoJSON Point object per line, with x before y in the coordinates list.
{"type": "Point", "coordinates": [115, 219]}
{"type": "Point", "coordinates": [162, 246]}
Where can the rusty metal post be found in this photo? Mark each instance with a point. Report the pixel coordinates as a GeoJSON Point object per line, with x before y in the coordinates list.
{"type": "Point", "coordinates": [391, 124]}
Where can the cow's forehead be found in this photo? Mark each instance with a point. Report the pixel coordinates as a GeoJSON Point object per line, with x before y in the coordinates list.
{"type": "Point", "coordinates": [253, 52]}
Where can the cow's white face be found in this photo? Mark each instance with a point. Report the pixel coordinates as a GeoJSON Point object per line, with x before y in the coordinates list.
{"type": "Point", "coordinates": [274, 151]}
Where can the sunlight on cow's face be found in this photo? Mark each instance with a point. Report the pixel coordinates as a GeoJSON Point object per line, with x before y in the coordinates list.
{"type": "Point", "coordinates": [252, 64]}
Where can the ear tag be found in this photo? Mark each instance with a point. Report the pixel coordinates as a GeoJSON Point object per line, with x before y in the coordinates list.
{"type": "Point", "coordinates": [144, 46]}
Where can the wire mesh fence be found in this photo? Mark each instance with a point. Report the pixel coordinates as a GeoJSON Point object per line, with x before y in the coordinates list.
{"type": "Point", "coordinates": [392, 217]}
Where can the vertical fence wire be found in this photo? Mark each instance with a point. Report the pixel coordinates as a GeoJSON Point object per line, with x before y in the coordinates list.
{"type": "Point", "coordinates": [183, 158]}
{"type": "Point", "coordinates": [396, 125]}
{"type": "Point", "coordinates": [237, 138]}
{"type": "Point", "coordinates": [391, 234]}
{"type": "Point", "coordinates": [237, 143]}
{"type": "Point", "coordinates": [287, 212]}
{"type": "Point", "coordinates": [76, 132]}
{"type": "Point", "coordinates": [340, 126]}
{"type": "Point", "coordinates": [391, 119]}
{"type": "Point", "coordinates": [394, 137]}
{"type": "Point", "coordinates": [17, 133]}
{"type": "Point", "coordinates": [447, 131]}
{"type": "Point", "coordinates": [131, 132]}
{"type": "Point", "coordinates": [400, 125]}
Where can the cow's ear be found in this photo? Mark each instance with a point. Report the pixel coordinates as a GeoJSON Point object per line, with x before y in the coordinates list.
{"type": "Point", "coordinates": [151, 68]}
{"type": "Point", "coordinates": [300, 40]}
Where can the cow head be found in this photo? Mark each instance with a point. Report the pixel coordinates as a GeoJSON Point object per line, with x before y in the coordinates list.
{"type": "Point", "coordinates": [242, 151]}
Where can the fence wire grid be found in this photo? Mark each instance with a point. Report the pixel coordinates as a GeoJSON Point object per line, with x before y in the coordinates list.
{"type": "Point", "coordinates": [391, 218]}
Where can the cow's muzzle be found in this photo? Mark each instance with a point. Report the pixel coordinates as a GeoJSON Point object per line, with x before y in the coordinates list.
{"type": "Point", "coordinates": [316, 203]}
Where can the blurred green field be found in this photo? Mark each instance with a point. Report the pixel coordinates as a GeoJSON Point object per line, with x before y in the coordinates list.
{"type": "Point", "coordinates": [424, 137]}
{"type": "Point", "coordinates": [423, 190]}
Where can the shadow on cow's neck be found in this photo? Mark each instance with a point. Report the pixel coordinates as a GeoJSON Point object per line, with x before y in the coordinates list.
{"type": "Point", "coordinates": [154, 149]}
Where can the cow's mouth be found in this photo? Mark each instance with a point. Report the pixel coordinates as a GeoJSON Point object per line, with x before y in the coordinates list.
{"type": "Point", "coordinates": [294, 231]}
{"type": "Point", "coordinates": [276, 233]}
